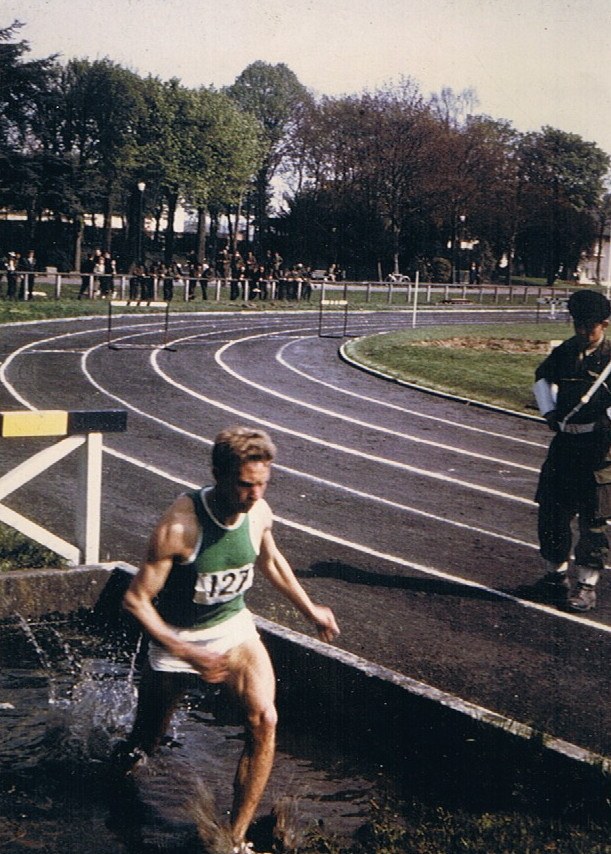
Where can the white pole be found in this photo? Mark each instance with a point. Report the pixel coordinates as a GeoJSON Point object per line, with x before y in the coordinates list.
{"type": "Point", "coordinates": [415, 298]}
{"type": "Point", "coordinates": [89, 498]}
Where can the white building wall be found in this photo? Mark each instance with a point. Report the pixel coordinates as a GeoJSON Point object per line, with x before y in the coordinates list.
{"type": "Point", "coordinates": [590, 263]}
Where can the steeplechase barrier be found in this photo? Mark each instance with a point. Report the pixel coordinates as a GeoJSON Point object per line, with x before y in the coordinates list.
{"type": "Point", "coordinates": [556, 306]}
{"type": "Point", "coordinates": [81, 431]}
{"type": "Point", "coordinates": [329, 309]}
{"type": "Point", "coordinates": [154, 305]}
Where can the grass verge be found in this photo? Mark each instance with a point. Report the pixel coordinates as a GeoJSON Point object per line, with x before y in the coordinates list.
{"type": "Point", "coordinates": [437, 830]}
{"type": "Point", "coordinates": [501, 377]}
{"type": "Point", "coordinates": [19, 552]}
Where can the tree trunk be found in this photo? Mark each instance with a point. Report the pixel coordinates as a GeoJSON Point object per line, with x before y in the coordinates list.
{"type": "Point", "coordinates": [510, 254]}
{"type": "Point", "coordinates": [236, 229]}
{"type": "Point", "coordinates": [32, 219]}
{"type": "Point", "coordinates": [230, 231]}
{"type": "Point", "coordinates": [168, 254]}
{"type": "Point", "coordinates": [601, 237]}
{"type": "Point", "coordinates": [247, 216]}
{"type": "Point", "coordinates": [201, 235]}
{"type": "Point", "coordinates": [396, 237]}
{"type": "Point", "coordinates": [157, 232]}
{"type": "Point", "coordinates": [108, 212]}
{"type": "Point", "coordinates": [77, 248]}
{"type": "Point", "coordinates": [214, 235]}
{"type": "Point", "coordinates": [260, 235]}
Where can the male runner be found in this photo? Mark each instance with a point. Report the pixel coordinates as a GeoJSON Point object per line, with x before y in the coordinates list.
{"type": "Point", "coordinates": [199, 564]}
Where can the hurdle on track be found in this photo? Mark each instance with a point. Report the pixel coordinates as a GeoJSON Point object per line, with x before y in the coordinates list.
{"type": "Point", "coordinates": [556, 305]}
{"type": "Point", "coordinates": [331, 308]}
{"type": "Point", "coordinates": [135, 304]}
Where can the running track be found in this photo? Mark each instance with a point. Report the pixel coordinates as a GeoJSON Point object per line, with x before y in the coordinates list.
{"type": "Point", "coordinates": [410, 514]}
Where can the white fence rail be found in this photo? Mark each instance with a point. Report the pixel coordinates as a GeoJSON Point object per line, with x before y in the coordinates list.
{"type": "Point", "coordinates": [66, 285]}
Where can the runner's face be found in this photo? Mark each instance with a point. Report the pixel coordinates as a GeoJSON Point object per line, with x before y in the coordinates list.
{"type": "Point", "coordinates": [589, 331]}
{"type": "Point", "coordinates": [241, 492]}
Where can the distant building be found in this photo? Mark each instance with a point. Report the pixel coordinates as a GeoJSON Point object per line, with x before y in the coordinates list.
{"type": "Point", "coordinates": [597, 263]}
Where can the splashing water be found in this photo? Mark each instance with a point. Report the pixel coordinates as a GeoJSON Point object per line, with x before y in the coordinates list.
{"type": "Point", "coordinates": [90, 702]}
{"type": "Point", "coordinates": [201, 809]}
{"type": "Point", "coordinates": [68, 696]}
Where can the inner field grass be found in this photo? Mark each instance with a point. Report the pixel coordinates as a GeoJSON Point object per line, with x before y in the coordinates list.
{"type": "Point", "coordinates": [488, 375]}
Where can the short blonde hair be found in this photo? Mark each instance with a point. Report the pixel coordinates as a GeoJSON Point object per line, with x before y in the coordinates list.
{"type": "Point", "coordinates": [237, 445]}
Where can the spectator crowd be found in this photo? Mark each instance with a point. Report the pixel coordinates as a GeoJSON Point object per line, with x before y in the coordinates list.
{"type": "Point", "coordinates": [244, 276]}
{"type": "Point", "coordinates": [19, 271]}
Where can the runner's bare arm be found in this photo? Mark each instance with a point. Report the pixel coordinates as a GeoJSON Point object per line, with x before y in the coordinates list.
{"type": "Point", "coordinates": [172, 538]}
{"type": "Point", "coordinates": [278, 571]}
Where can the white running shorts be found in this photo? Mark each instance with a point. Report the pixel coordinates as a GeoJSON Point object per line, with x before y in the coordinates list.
{"type": "Point", "coordinates": [220, 638]}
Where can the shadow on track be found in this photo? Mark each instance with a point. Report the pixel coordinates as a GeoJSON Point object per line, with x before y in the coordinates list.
{"type": "Point", "coordinates": [354, 575]}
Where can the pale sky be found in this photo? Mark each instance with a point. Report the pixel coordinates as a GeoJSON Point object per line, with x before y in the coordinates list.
{"type": "Point", "coordinates": [533, 62]}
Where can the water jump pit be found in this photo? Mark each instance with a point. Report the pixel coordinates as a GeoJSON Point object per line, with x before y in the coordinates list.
{"type": "Point", "coordinates": [68, 695]}
{"type": "Point", "coordinates": [352, 736]}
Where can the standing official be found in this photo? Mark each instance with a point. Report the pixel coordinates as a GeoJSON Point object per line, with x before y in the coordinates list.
{"type": "Point", "coordinates": [573, 392]}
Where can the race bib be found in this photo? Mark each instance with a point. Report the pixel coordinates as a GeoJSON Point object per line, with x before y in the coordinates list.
{"type": "Point", "coordinates": [215, 588]}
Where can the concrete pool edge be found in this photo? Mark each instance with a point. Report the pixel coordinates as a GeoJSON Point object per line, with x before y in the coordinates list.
{"type": "Point", "coordinates": [342, 682]}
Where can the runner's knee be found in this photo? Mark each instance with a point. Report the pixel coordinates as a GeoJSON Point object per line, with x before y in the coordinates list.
{"type": "Point", "coordinates": [263, 722]}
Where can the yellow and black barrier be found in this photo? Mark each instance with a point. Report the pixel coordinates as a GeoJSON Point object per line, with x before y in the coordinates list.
{"type": "Point", "coordinates": [59, 422]}
{"type": "Point", "coordinates": [79, 431]}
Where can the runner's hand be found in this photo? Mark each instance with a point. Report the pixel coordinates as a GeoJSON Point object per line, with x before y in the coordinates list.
{"type": "Point", "coordinates": [213, 667]}
{"type": "Point", "coordinates": [326, 625]}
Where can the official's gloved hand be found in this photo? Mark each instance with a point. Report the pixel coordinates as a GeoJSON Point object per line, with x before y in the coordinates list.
{"type": "Point", "coordinates": [552, 420]}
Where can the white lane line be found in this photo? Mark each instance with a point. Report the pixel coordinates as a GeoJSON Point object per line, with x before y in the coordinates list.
{"type": "Point", "coordinates": [385, 556]}
{"type": "Point", "coordinates": [356, 421]}
{"type": "Point", "coordinates": [55, 350]}
{"type": "Point", "coordinates": [33, 348]}
{"type": "Point", "coordinates": [272, 425]}
{"type": "Point", "coordinates": [356, 493]}
{"type": "Point", "coordinates": [330, 484]}
{"type": "Point", "coordinates": [383, 403]}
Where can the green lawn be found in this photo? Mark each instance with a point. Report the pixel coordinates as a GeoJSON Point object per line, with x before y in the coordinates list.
{"type": "Point", "coordinates": [488, 375]}
{"type": "Point", "coordinates": [19, 552]}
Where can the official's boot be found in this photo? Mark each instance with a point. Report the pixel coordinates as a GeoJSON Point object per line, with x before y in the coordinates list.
{"type": "Point", "coordinates": [553, 587]}
{"type": "Point", "coordinates": [583, 598]}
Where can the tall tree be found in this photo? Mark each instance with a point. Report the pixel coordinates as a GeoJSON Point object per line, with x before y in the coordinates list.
{"type": "Point", "coordinates": [474, 185]}
{"type": "Point", "coordinates": [275, 97]}
{"type": "Point", "coordinates": [225, 150]}
{"type": "Point", "coordinates": [562, 177]}
{"type": "Point", "coordinates": [197, 147]}
{"type": "Point", "coordinates": [396, 159]}
{"type": "Point", "coordinates": [365, 164]}
{"type": "Point", "coordinates": [603, 219]}
{"type": "Point", "coordinates": [104, 103]}
{"type": "Point", "coordinates": [27, 99]}
{"type": "Point", "coordinates": [24, 83]}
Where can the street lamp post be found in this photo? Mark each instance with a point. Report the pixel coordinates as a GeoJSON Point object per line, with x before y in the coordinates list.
{"type": "Point", "coordinates": [141, 189]}
{"type": "Point", "coordinates": [461, 234]}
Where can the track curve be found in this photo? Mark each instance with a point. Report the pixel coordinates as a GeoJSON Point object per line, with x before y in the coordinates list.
{"type": "Point", "coordinates": [412, 515]}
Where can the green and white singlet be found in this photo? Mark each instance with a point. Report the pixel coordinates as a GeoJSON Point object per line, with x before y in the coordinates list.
{"type": "Point", "coordinates": [203, 598]}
